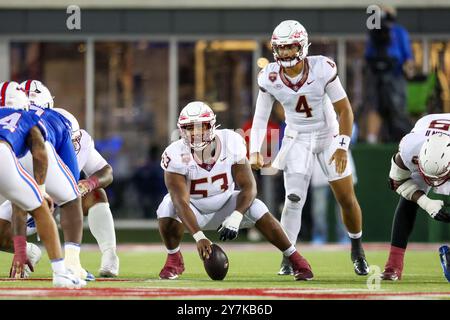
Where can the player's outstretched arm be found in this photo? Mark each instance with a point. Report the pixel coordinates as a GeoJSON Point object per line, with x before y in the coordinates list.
{"type": "Point", "coordinates": [36, 143]}
{"type": "Point", "coordinates": [100, 179]}
{"type": "Point", "coordinates": [345, 114]}
{"type": "Point", "coordinates": [243, 176]}
{"type": "Point", "coordinates": [264, 104]}
{"type": "Point", "coordinates": [176, 184]}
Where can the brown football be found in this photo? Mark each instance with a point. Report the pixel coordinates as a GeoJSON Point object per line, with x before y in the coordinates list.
{"type": "Point", "coordinates": [216, 265]}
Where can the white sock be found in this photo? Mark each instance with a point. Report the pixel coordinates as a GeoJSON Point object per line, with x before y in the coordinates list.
{"type": "Point", "coordinates": [58, 266]}
{"type": "Point", "coordinates": [173, 250]}
{"type": "Point", "coordinates": [101, 224]}
{"type": "Point", "coordinates": [355, 235]}
{"type": "Point", "coordinates": [289, 251]}
{"type": "Point", "coordinates": [72, 254]}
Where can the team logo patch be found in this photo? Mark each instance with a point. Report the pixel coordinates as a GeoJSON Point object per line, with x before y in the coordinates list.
{"type": "Point", "coordinates": [273, 76]}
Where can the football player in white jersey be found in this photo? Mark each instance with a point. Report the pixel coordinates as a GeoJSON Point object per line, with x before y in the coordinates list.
{"type": "Point", "coordinates": [94, 202]}
{"type": "Point", "coordinates": [310, 92]}
{"type": "Point", "coordinates": [422, 163]}
{"type": "Point", "coordinates": [200, 171]}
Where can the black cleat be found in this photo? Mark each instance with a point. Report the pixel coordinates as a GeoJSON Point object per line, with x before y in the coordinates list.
{"type": "Point", "coordinates": [361, 266]}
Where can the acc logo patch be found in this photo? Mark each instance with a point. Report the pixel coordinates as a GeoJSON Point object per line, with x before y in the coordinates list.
{"type": "Point", "coordinates": [273, 76]}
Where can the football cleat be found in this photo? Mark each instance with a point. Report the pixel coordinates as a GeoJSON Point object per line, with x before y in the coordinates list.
{"type": "Point", "coordinates": [361, 266]}
{"type": "Point", "coordinates": [110, 265]}
{"type": "Point", "coordinates": [67, 280]}
{"type": "Point", "coordinates": [391, 274]}
{"type": "Point", "coordinates": [285, 268]}
{"type": "Point", "coordinates": [34, 254]}
{"type": "Point", "coordinates": [301, 268]}
{"type": "Point", "coordinates": [173, 267]}
{"type": "Point", "coordinates": [81, 273]}
{"type": "Point", "coordinates": [444, 255]}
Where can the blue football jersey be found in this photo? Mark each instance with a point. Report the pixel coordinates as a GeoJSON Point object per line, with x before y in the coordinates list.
{"type": "Point", "coordinates": [15, 126]}
{"type": "Point", "coordinates": [59, 134]}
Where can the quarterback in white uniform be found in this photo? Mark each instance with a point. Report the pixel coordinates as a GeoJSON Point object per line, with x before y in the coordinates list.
{"type": "Point", "coordinates": [94, 202]}
{"type": "Point", "coordinates": [310, 92]}
{"type": "Point", "coordinates": [201, 171]}
{"type": "Point", "coordinates": [422, 163]}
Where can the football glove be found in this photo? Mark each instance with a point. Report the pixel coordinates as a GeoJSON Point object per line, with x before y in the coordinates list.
{"type": "Point", "coordinates": [230, 226]}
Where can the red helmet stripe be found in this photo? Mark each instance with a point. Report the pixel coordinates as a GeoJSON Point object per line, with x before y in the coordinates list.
{"type": "Point", "coordinates": [3, 93]}
{"type": "Point", "coordinates": [27, 87]}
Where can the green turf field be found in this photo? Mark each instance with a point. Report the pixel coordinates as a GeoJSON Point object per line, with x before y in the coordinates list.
{"type": "Point", "coordinates": [257, 269]}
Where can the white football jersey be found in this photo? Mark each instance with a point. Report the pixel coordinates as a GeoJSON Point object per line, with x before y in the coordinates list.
{"type": "Point", "coordinates": [210, 185]}
{"type": "Point", "coordinates": [307, 106]}
{"type": "Point", "coordinates": [411, 143]}
{"type": "Point", "coordinates": [89, 160]}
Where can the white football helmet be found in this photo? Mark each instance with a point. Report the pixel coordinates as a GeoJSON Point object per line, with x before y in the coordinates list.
{"type": "Point", "coordinates": [12, 96]}
{"type": "Point", "coordinates": [38, 93]}
{"type": "Point", "coordinates": [197, 125]}
{"type": "Point", "coordinates": [289, 34]}
{"type": "Point", "coordinates": [434, 159]}
{"type": "Point", "coordinates": [76, 133]}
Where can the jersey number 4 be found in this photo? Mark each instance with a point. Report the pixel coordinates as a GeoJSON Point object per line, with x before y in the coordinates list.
{"type": "Point", "coordinates": [10, 122]}
{"type": "Point", "coordinates": [302, 106]}
{"type": "Point", "coordinates": [204, 193]}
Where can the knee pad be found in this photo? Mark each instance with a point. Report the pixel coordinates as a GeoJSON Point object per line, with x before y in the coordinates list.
{"type": "Point", "coordinates": [294, 197]}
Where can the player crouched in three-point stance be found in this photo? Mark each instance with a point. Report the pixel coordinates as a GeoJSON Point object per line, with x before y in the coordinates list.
{"type": "Point", "coordinates": [422, 163]}
{"type": "Point", "coordinates": [20, 132]}
{"type": "Point", "coordinates": [311, 94]}
{"type": "Point", "coordinates": [200, 172]}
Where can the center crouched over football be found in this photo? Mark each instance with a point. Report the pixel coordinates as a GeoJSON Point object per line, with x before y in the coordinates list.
{"type": "Point", "coordinates": [216, 265]}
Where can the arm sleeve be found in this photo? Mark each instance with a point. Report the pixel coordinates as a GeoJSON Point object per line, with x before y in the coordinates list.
{"type": "Point", "coordinates": [264, 104]}
{"type": "Point", "coordinates": [335, 91]}
{"type": "Point", "coordinates": [94, 163]}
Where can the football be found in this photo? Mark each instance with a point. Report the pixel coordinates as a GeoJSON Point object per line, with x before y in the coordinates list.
{"type": "Point", "coordinates": [217, 265]}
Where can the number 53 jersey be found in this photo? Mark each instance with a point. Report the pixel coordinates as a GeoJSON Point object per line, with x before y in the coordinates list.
{"type": "Point", "coordinates": [410, 145]}
{"type": "Point", "coordinates": [210, 185]}
{"type": "Point", "coordinates": [307, 106]}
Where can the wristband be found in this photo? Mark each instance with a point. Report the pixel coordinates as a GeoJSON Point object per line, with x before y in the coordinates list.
{"type": "Point", "coordinates": [343, 142]}
{"type": "Point", "coordinates": [42, 188]}
{"type": "Point", "coordinates": [93, 182]}
{"type": "Point", "coordinates": [199, 236]}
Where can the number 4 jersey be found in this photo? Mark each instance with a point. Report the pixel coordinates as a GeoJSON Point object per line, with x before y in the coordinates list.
{"type": "Point", "coordinates": [14, 128]}
{"type": "Point", "coordinates": [210, 185]}
{"type": "Point", "coordinates": [305, 100]}
{"type": "Point", "coordinates": [410, 145]}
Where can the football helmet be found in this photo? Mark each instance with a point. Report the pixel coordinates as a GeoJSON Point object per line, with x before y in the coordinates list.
{"type": "Point", "coordinates": [38, 93]}
{"type": "Point", "coordinates": [291, 36]}
{"type": "Point", "coordinates": [434, 159]}
{"type": "Point", "coordinates": [76, 133]}
{"type": "Point", "coordinates": [197, 125]}
{"type": "Point", "coordinates": [12, 96]}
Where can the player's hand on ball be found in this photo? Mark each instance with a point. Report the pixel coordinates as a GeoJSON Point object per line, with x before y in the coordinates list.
{"type": "Point", "coordinates": [204, 248]}
{"type": "Point", "coordinates": [256, 161]}
{"type": "Point", "coordinates": [340, 160]}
